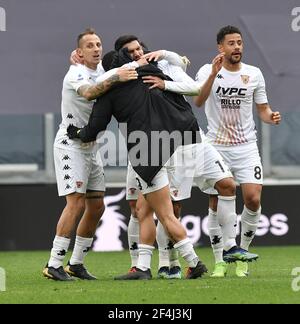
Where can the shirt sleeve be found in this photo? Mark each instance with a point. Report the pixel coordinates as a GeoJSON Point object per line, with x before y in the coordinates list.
{"type": "Point", "coordinates": [175, 59]}
{"type": "Point", "coordinates": [76, 77]}
{"type": "Point", "coordinates": [260, 95]}
{"type": "Point", "coordinates": [99, 119]}
{"type": "Point", "coordinates": [111, 72]}
{"type": "Point", "coordinates": [182, 84]}
{"type": "Point", "coordinates": [203, 74]}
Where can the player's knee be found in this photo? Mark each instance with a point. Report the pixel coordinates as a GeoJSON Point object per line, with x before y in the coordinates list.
{"type": "Point", "coordinates": [226, 187]}
{"type": "Point", "coordinates": [141, 213]}
{"type": "Point", "coordinates": [252, 202]}
{"type": "Point", "coordinates": [132, 205]}
{"type": "Point", "coordinates": [100, 207]}
{"type": "Point", "coordinates": [76, 204]}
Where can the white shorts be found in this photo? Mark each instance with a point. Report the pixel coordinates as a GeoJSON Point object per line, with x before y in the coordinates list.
{"type": "Point", "coordinates": [245, 164]}
{"type": "Point", "coordinates": [179, 186]}
{"type": "Point", "coordinates": [197, 162]}
{"type": "Point", "coordinates": [78, 172]}
{"type": "Point", "coordinates": [202, 164]}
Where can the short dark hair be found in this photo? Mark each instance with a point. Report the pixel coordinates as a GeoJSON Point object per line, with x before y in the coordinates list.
{"type": "Point", "coordinates": [227, 30]}
{"type": "Point", "coordinates": [122, 40]}
{"type": "Point", "coordinates": [88, 31]}
{"type": "Point", "coordinates": [108, 59]}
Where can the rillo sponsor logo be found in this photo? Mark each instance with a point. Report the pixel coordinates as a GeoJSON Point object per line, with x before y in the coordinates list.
{"type": "Point", "coordinates": [2, 19]}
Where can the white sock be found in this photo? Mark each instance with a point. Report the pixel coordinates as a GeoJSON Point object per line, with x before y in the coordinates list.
{"type": "Point", "coordinates": [133, 239]}
{"type": "Point", "coordinates": [186, 250]}
{"type": "Point", "coordinates": [227, 219]}
{"type": "Point", "coordinates": [163, 241]}
{"type": "Point", "coordinates": [145, 255]}
{"type": "Point", "coordinates": [59, 251]}
{"type": "Point", "coordinates": [216, 235]}
{"type": "Point", "coordinates": [81, 249]}
{"type": "Point", "coordinates": [250, 221]}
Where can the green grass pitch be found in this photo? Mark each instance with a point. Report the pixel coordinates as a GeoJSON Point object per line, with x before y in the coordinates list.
{"type": "Point", "coordinates": [270, 281]}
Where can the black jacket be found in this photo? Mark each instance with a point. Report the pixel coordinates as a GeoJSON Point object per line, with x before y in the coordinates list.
{"type": "Point", "coordinates": [144, 110]}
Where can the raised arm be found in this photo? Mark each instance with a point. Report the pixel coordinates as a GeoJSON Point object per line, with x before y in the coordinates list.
{"type": "Point", "coordinates": [107, 80]}
{"type": "Point", "coordinates": [208, 83]}
{"type": "Point", "coordinates": [171, 57]}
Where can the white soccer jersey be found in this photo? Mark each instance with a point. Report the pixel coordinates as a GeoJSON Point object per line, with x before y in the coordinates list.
{"type": "Point", "coordinates": [75, 109]}
{"type": "Point", "coordinates": [229, 108]}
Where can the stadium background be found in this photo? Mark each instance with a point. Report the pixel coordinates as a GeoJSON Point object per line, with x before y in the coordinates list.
{"type": "Point", "coordinates": [37, 37]}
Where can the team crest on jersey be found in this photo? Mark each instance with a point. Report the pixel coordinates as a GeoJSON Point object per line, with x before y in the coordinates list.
{"type": "Point", "coordinates": [132, 191]}
{"type": "Point", "coordinates": [175, 193]}
{"type": "Point", "coordinates": [79, 184]}
{"type": "Point", "coordinates": [245, 78]}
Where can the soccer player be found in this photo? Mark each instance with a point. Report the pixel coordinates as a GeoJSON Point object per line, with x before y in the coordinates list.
{"type": "Point", "coordinates": [169, 266]}
{"type": "Point", "coordinates": [80, 178]}
{"type": "Point", "coordinates": [153, 110]}
{"type": "Point", "coordinates": [228, 96]}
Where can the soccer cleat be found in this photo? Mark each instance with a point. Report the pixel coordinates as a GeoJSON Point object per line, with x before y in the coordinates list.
{"type": "Point", "coordinates": [58, 274]}
{"type": "Point", "coordinates": [196, 272]}
{"type": "Point", "coordinates": [137, 275]}
{"type": "Point", "coordinates": [163, 273]}
{"type": "Point", "coordinates": [132, 269]}
{"type": "Point", "coordinates": [239, 254]}
{"type": "Point", "coordinates": [220, 270]}
{"type": "Point", "coordinates": [241, 269]}
{"type": "Point", "coordinates": [79, 271]}
{"type": "Point", "coordinates": [175, 273]}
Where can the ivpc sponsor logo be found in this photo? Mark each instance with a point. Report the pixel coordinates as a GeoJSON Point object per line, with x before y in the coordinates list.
{"type": "Point", "coordinates": [296, 21]}
{"type": "Point", "coordinates": [2, 19]}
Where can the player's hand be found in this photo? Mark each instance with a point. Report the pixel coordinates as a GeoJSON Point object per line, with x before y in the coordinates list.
{"type": "Point", "coordinates": [155, 82]}
{"type": "Point", "coordinates": [126, 74]}
{"type": "Point", "coordinates": [87, 145]}
{"type": "Point", "coordinates": [73, 132]}
{"type": "Point", "coordinates": [185, 60]}
{"type": "Point", "coordinates": [276, 117]}
{"type": "Point", "coordinates": [154, 56]}
{"type": "Point", "coordinates": [217, 63]}
{"type": "Point", "coordinates": [75, 58]}
{"type": "Point", "coordinates": [142, 61]}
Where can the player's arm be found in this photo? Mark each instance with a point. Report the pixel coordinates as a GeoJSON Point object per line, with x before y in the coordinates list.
{"type": "Point", "coordinates": [267, 115]}
{"type": "Point", "coordinates": [99, 119]}
{"type": "Point", "coordinates": [207, 85]}
{"type": "Point", "coordinates": [91, 92]}
{"type": "Point", "coordinates": [182, 84]}
{"type": "Point", "coordinates": [171, 57]}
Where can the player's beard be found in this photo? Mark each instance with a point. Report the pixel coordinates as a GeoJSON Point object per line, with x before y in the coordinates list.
{"type": "Point", "coordinates": [234, 61]}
